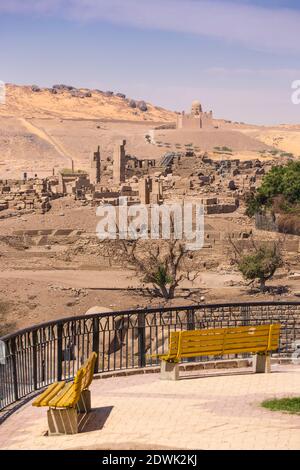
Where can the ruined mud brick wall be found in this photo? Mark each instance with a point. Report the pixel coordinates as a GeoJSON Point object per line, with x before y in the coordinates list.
{"type": "Point", "coordinates": [49, 236]}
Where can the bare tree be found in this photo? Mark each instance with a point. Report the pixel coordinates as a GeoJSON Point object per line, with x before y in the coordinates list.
{"type": "Point", "coordinates": [162, 263]}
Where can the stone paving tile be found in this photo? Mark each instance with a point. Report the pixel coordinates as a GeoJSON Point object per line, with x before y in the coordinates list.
{"type": "Point", "coordinates": [219, 410]}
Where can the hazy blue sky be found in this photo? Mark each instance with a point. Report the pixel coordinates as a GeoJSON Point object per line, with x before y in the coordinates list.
{"type": "Point", "coordinates": [238, 57]}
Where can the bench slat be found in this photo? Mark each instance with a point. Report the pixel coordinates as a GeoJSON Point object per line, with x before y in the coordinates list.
{"type": "Point", "coordinates": [220, 353]}
{"type": "Point", "coordinates": [242, 331]}
{"type": "Point", "coordinates": [62, 397]}
{"type": "Point", "coordinates": [89, 367]}
{"type": "Point", "coordinates": [251, 341]}
{"type": "Point", "coordinates": [47, 395]}
{"type": "Point", "coordinates": [234, 330]}
{"type": "Point", "coordinates": [70, 394]}
{"type": "Point", "coordinates": [225, 350]}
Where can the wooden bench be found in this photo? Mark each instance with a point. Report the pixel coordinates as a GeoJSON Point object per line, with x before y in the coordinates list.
{"type": "Point", "coordinates": [259, 340]}
{"type": "Point", "coordinates": [65, 399]}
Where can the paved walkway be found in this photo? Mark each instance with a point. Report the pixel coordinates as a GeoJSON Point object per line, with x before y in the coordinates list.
{"type": "Point", "coordinates": [206, 410]}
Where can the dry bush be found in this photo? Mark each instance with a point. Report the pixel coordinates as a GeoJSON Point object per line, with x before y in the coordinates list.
{"type": "Point", "coordinates": [289, 223]}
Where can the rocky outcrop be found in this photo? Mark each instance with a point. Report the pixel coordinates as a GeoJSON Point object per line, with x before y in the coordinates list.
{"type": "Point", "coordinates": [132, 104]}
{"type": "Point", "coordinates": [142, 106]}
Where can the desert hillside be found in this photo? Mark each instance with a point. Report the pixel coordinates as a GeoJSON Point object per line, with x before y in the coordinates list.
{"type": "Point", "coordinates": [66, 102]}
{"type": "Point", "coordinates": [45, 130]}
{"type": "Point", "coordinates": [286, 138]}
{"type": "Point", "coordinates": [42, 129]}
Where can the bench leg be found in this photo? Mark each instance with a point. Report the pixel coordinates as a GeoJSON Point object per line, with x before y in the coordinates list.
{"type": "Point", "coordinates": [261, 363]}
{"type": "Point", "coordinates": [84, 404]}
{"type": "Point", "coordinates": [62, 421]}
{"type": "Point", "coordinates": [169, 371]}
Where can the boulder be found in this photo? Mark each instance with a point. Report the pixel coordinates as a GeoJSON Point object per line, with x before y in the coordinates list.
{"type": "Point", "coordinates": [35, 88]}
{"type": "Point", "coordinates": [76, 94]}
{"type": "Point", "coordinates": [132, 104]}
{"type": "Point", "coordinates": [97, 309]}
{"type": "Point", "coordinates": [81, 94]}
{"type": "Point", "coordinates": [63, 87]}
{"type": "Point", "coordinates": [142, 106]}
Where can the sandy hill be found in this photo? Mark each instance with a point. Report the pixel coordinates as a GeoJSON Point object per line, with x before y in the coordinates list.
{"type": "Point", "coordinates": [35, 102]}
{"type": "Point", "coordinates": [42, 130]}
{"type": "Point", "coordinates": [286, 138]}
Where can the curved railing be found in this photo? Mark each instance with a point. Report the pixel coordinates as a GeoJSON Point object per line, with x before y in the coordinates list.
{"type": "Point", "coordinates": [40, 355]}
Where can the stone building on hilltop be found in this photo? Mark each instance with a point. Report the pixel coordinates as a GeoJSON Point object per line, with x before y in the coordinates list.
{"type": "Point", "coordinates": [197, 119]}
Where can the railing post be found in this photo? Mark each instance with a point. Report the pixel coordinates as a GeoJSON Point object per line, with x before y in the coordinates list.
{"type": "Point", "coordinates": [34, 359]}
{"type": "Point", "coordinates": [190, 326]}
{"type": "Point", "coordinates": [142, 340]}
{"type": "Point", "coordinates": [14, 368]}
{"type": "Point", "coordinates": [96, 342]}
{"type": "Point", "coordinates": [245, 312]}
{"type": "Point", "coordinates": [59, 351]}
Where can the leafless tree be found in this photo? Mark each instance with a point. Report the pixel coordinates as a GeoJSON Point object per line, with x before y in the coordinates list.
{"type": "Point", "coordinates": [162, 263]}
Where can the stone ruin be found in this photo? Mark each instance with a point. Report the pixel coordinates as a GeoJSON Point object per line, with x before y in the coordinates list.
{"type": "Point", "coordinates": [25, 195]}
{"type": "Point", "coordinates": [95, 174]}
{"type": "Point", "coordinates": [119, 163]}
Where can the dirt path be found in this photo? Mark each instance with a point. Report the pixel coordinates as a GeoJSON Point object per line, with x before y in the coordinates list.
{"type": "Point", "coordinates": [42, 134]}
{"type": "Point", "coordinates": [109, 279]}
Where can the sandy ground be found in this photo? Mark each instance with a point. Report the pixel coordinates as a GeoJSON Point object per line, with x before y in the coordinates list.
{"type": "Point", "coordinates": [286, 139]}
{"type": "Point", "coordinates": [113, 279]}
{"type": "Point", "coordinates": [31, 297]}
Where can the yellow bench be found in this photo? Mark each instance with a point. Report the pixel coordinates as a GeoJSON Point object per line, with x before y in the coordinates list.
{"type": "Point", "coordinates": [259, 340]}
{"type": "Point", "coordinates": [65, 399]}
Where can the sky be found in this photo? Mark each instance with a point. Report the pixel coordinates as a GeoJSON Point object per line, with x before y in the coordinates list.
{"type": "Point", "coordinates": [238, 57]}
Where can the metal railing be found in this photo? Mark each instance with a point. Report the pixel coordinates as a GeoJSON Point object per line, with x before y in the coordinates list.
{"type": "Point", "coordinates": [50, 352]}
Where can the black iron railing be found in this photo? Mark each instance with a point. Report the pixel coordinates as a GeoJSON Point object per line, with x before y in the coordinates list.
{"type": "Point", "coordinates": [43, 354]}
